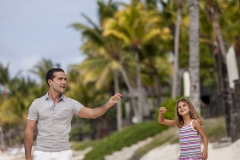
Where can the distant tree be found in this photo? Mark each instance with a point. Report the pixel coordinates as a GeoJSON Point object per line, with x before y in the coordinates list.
{"type": "Point", "coordinates": [42, 67]}
{"type": "Point", "coordinates": [101, 53]}
{"type": "Point", "coordinates": [136, 26]}
{"type": "Point", "coordinates": [213, 11]}
{"type": "Point", "coordinates": [175, 78]}
{"type": "Point", "coordinates": [6, 80]}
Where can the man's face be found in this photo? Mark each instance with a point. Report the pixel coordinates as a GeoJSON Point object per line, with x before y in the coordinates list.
{"type": "Point", "coordinates": [59, 82]}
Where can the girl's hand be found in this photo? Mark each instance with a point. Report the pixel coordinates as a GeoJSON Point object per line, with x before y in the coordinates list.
{"type": "Point", "coordinates": [162, 110]}
{"type": "Point", "coordinates": [204, 154]}
{"type": "Point", "coordinates": [164, 121]}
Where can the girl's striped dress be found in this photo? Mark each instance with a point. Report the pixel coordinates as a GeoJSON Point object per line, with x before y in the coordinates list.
{"type": "Point", "coordinates": [189, 140]}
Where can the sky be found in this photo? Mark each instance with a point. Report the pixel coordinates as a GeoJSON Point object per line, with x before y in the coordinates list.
{"type": "Point", "coordinates": [33, 30]}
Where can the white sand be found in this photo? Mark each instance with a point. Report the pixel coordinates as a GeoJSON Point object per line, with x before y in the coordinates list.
{"type": "Point", "coordinates": [5, 156]}
{"type": "Point", "coordinates": [167, 152]}
{"type": "Point", "coordinates": [171, 152]}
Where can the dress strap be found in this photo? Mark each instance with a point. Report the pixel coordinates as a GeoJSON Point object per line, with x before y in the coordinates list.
{"type": "Point", "coordinates": [192, 124]}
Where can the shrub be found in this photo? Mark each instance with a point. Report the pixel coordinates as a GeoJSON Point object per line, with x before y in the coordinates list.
{"type": "Point", "coordinates": [170, 105]}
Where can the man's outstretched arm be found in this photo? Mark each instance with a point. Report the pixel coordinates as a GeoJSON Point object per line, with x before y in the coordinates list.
{"type": "Point", "coordinates": [28, 138]}
{"type": "Point", "coordinates": [86, 112]}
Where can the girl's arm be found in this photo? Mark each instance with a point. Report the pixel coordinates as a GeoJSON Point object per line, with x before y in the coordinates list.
{"type": "Point", "coordinates": [198, 127]}
{"type": "Point", "coordinates": [164, 121]}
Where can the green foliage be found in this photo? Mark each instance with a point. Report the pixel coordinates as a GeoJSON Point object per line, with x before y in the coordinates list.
{"type": "Point", "coordinates": [207, 74]}
{"type": "Point", "coordinates": [111, 114]}
{"type": "Point", "coordinates": [126, 137]}
{"type": "Point", "coordinates": [170, 105]}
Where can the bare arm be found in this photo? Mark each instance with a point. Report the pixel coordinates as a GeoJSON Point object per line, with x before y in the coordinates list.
{"type": "Point", "coordinates": [86, 112]}
{"type": "Point", "coordinates": [164, 121]}
{"type": "Point", "coordinates": [198, 127]}
{"type": "Point", "coordinates": [28, 138]}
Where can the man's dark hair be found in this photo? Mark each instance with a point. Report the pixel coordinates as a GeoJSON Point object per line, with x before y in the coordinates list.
{"type": "Point", "coordinates": [50, 73]}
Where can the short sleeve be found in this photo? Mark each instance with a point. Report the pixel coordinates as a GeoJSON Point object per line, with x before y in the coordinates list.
{"type": "Point", "coordinates": [76, 106]}
{"type": "Point", "coordinates": [33, 112]}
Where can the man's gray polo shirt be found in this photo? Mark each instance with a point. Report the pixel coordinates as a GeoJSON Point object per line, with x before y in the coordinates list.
{"type": "Point", "coordinates": [53, 123]}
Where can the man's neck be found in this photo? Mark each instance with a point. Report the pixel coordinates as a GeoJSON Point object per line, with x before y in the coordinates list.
{"type": "Point", "coordinates": [55, 96]}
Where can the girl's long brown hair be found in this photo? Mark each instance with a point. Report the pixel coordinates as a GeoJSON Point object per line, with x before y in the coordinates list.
{"type": "Point", "coordinates": [193, 114]}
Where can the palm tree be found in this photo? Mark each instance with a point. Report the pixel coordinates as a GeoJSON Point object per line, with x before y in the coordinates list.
{"type": "Point", "coordinates": [158, 66]}
{"type": "Point", "coordinates": [231, 26]}
{"type": "Point", "coordinates": [173, 19]}
{"type": "Point", "coordinates": [14, 110]}
{"type": "Point", "coordinates": [119, 108]}
{"type": "Point", "coordinates": [112, 50]}
{"type": "Point", "coordinates": [194, 54]}
{"type": "Point", "coordinates": [131, 19]}
{"type": "Point", "coordinates": [209, 41]}
{"type": "Point", "coordinates": [42, 68]}
{"type": "Point", "coordinates": [101, 52]}
{"type": "Point", "coordinates": [106, 10]}
{"type": "Point", "coordinates": [135, 26]}
{"type": "Point", "coordinates": [6, 80]}
{"type": "Point", "coordinates": [213, 11]}
{"type": "Point", "coordinates": [151, 4]}
{"type": "Point", "coordinates": [176, 49]}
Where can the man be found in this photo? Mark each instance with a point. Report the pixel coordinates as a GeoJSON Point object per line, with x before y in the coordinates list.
{"type": "Point", "coordinates": [52, 114]}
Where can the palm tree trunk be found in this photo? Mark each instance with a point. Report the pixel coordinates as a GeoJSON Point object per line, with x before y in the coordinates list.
{"type": "Point", "coordinates": [132, 91]}
{"type": "Point", "coordinates": [125, 78]}
{"type": "Point", "coordinates": [215, 50]}
{"type": "Point", "coordinates": [237, 51]}
{"type": "Point", "coordinates": [139, 87]}
{"type": "Point", "coordinates": [176, 44]}
{"type": "Point", "coordinates": [5, 92]}
{"type": "Point", "coordinates": [158, 90]}
{"type": "Point", "coordinates": [2, 138]}
{"type": "Point", "coordinates": [194, 54]}
{"type": "Point", "coordinates": [226, 88]}
{"type": "Point", "coordinates": [119, 108]}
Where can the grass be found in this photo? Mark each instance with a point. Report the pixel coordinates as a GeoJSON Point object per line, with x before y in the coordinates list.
{"type": "Point", "coordinates": [215, 128]}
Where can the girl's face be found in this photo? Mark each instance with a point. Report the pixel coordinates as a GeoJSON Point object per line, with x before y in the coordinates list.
{"type": "Point", "coordinates": [183, 108]}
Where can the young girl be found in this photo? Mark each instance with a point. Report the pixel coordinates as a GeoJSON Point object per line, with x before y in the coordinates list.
{"type": "Point", "coordinates": [189, 123]}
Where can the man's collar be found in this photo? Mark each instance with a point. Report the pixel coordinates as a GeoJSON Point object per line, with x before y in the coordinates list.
{"type": "Point", "coordinates": [46, 97]}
